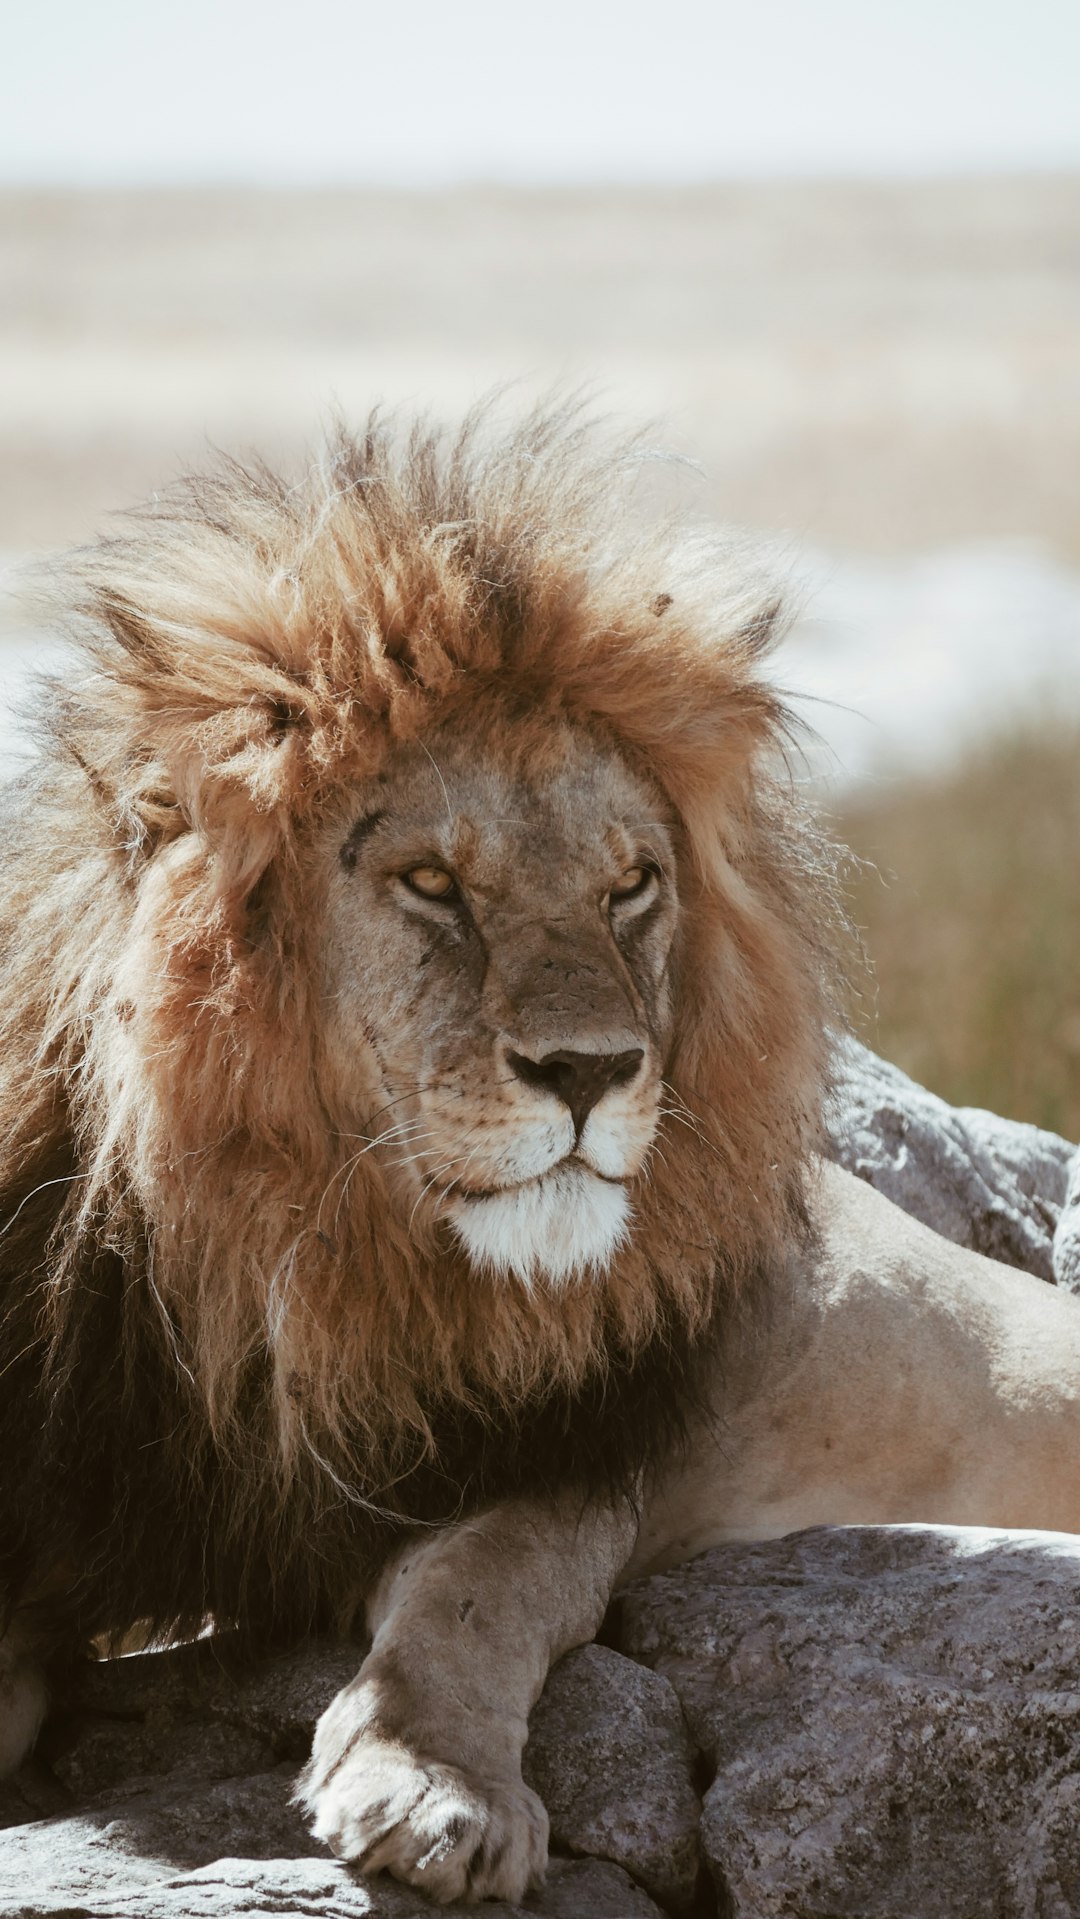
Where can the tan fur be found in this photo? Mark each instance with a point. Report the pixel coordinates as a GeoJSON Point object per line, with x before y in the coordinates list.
{"type": "Point", "coordinates": [904, 1380]}
{"type": "Point", "coordinates": [255, 654]}
{"type": "Point", "coordinates": [269, 1076]}
{"type": "Point", "coordinates": [416, 1767]}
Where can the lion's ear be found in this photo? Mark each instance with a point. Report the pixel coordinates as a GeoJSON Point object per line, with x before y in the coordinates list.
{"type": "Point", "coordinates": [199, 669]}
{"type": "Point", "coordinates": [239, 778]}
{"type": "Point", "coordinates": [684, 690]}
{"type": "Point", "coordinates": [713, 774]}
{"type": "Point", "coordinates": [232, 777]}
{"type": "Point", "coordinates": [760, 633]}
{"type": "Point", "coordinates": [203, 709]}
{"type": "Point", "coordinates": [717, 721]}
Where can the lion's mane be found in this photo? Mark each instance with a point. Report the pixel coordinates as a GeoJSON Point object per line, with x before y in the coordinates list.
{"type": "Point", "coordinates": [211, 1403]}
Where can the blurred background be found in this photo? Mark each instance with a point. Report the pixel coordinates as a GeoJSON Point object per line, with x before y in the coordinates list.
{"type": "Point", "coordinates": [834, 251]}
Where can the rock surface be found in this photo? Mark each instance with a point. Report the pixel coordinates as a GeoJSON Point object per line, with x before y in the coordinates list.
{"type": "Point", "coordinates": [168, 1794]}
{"type": "Point", "coordinates": [893, 1716]}
{"type": "Point", "coordinates": [323, 1888]}
{"type": "Point", "coordinates": [1066, 1249]}
{"type": "Point", "coordinates": [609, 1755]}
{"type": "Point", "coordinates": [1002, 1188]}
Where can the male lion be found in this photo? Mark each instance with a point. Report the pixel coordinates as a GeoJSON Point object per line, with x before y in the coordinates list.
{"type": "Point", "coordinates": [416, 991]}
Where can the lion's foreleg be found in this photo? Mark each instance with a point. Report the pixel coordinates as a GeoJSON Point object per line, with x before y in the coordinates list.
{"type": "Point", "coordinates": [24, 1699]}
{"type": "Point", "coordinates": [416, 1766]}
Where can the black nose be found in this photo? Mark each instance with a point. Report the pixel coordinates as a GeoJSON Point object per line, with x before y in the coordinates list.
{"type": "Point", "coordinates": [579, 1079]}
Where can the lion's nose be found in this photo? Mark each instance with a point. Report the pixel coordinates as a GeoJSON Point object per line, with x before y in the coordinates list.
{"type": "Point", "coordinates": [578, 1079]}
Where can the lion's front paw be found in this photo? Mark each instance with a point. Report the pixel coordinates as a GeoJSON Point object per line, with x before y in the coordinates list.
{"type": "Point", "coordinates": [449, 1832]}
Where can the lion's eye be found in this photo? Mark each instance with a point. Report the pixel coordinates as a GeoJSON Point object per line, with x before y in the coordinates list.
{"type": "Point", "coordinates": [633, 883]}
{"type": "Point", "coordinates": [431, 882]}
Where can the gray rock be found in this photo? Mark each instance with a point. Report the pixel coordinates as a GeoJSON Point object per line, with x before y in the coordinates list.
{"type": "Point", "coordinates": [321, 1889]}
{"type": "Point", "coordinates": [889, 1710]}
{"type": "Point", "coordinates": [609, 1755]}
{"type": "Point", "coordinates": [1067, 1237]}
{"type": "Point", "coordinates": [584, 1889]}
{"type": "Point", "coordinates": [179, 1767]}
{"type": "Point", "coordinates": [893, 1716]}
{"type": "Point", "coordinates": [137, 1837]}
{"type": "Point", "coordinates": [200, 1708]}
{"type": "Point", "coordinates": [1005, 1189]}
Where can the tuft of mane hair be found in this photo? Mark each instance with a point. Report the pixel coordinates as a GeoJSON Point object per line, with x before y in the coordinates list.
{"type": "Point", "coordinates": [212, 1404]}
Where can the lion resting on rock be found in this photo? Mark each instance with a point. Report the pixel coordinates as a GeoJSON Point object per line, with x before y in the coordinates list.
{"type": "Point", "coordinates": [418, 977]}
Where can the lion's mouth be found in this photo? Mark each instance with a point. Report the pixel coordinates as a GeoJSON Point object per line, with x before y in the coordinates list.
{"type": "Point", "coordinates": [472, 1194]}
{"type": "Point", "coordinates": [562, 1225]}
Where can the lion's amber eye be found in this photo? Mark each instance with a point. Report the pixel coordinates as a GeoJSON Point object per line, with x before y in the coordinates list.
{"type": "Point", "coordinates": [431, 882]}
{"type": "Point", "coordinates": [631, 884]}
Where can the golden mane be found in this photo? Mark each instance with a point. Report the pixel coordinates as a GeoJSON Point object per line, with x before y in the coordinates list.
{"type": "Point", "coordinates": [248, 650]}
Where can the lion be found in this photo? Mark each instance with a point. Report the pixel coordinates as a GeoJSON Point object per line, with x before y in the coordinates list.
{"type": "Point", "coordinates": [420, 976]}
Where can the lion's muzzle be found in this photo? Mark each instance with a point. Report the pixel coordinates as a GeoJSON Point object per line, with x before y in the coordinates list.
{"type": "Point", "coordinates": [578, 1079]}
{"type": "Point", "coordinates": [565, 1226]}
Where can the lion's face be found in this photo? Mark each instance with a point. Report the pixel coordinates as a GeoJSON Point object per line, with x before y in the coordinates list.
{"type": "Point", "coordinates": [500, 922]}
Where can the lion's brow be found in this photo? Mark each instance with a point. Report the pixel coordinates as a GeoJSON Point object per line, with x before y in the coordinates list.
{"type": "Point", "coordinates": [365, 826]}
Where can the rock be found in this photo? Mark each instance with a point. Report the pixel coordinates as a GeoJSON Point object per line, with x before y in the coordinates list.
{"type": "Point", "coordinates": [199, 1707]}
{"type": "Point", "coordinates": [584, 1889]}
{"type": "Point", "coordinates": [609, 1755]}
{"type": "Point", "coordinates": [1005, 1189]}
{"type": "Point", "coordinates": [178, 1768]}
{"type": "Point", "coordinates": [889, 1711]}
{"type": "Point", "coordinates": [893, 1716]}
{"type": "Point", "coordinates": [318, 1889]}
{"type": "Point", "coordinates": [133, 1839]}
{"type": "Point", "coordinates": [1066, 1252]}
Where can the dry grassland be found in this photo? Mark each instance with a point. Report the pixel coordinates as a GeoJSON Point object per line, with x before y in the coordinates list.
{"type": "Point", "coordinates": [870, 367]}
{"type": "Point", "coordinates": [969, 908]}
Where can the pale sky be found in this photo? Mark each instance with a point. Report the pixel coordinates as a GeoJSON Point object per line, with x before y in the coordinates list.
{"type": "Point", "coordinates": [429, 92]}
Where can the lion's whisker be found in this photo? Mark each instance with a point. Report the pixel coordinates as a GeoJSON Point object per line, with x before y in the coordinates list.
{"type": "Point", "coordinates": [411, 1159]}
{"type": "Point", "coordinates": [681, 1110]}
{"type": "Point", "coordinates": [398, 1134]}
{"type": "Point", "coordinates": [402, 1126]}
{"type": "Point", "coordinates": [438, 775]}
{"type": "Point", "coordinates": [439, 1173]}
{"type": "Point", "coordinates": [63, 1179]}
{"type": "Point", "coordinates": [348, 1167]}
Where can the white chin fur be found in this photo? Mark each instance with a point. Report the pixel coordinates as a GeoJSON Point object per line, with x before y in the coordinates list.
{"type": "Point", "coordinates": [562, 1226]}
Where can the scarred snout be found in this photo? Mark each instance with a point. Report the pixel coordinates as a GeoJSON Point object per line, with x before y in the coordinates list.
{"type": "Point", "coordinates": [573, 1080]}
{"type": "Point", "coordinates": [524, 919]}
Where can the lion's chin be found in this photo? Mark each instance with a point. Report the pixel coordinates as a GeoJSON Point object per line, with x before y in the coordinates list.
{"type": "Point", "coordinates": [564, 1226]}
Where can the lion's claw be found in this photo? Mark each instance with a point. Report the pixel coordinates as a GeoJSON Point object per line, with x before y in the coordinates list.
{"type": "Point", "coordinates": [454, 1835]}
